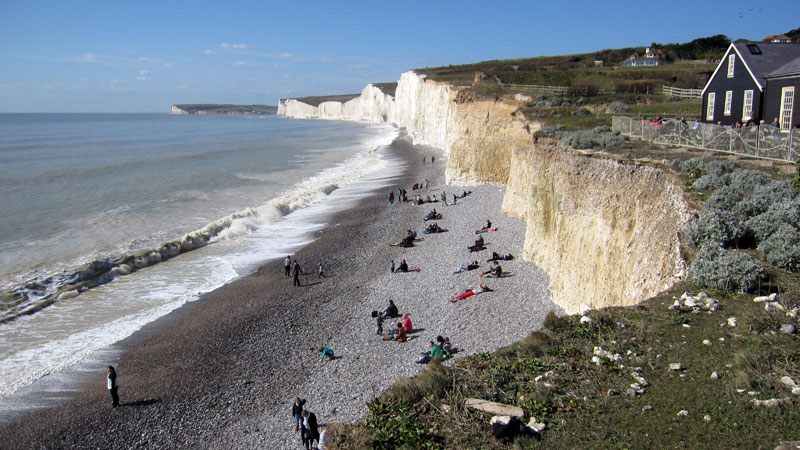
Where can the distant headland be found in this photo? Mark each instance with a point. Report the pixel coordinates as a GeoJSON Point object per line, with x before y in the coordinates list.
{"type": "Point", "coordinates": [223, 109]}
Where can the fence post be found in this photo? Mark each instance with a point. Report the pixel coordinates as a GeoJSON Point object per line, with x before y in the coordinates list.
{"type": "Point", "coordinates": [758, 140]}
{"type": "Point", "coordinates": [789, 146]}
{"type": "Point", "coordinates": [730, 140]}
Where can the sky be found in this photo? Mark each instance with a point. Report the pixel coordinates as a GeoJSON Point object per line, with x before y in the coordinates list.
{"type": "Point", "coordinates": [143, 56]}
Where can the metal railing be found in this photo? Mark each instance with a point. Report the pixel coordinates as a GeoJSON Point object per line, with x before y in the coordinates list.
{"type": "Point", "coordinates": [762, 141]}
{"type": "Point", "coordinates": [682, 93]}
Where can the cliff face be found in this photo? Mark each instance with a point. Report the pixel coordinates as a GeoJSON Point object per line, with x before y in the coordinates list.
{"type": "Point", "coordinates": [606, 231]}
{"type": "Point", "coordinates": [175, 110]}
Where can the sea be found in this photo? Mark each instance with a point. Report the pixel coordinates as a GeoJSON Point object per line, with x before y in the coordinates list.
{"type": "Point", "coordinates": [111, 221]}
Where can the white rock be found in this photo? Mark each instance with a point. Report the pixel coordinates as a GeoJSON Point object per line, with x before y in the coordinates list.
{"type": "Point", "coordinates": [714, 375]}
{"type": "Point", "coordinates": [683, 413]}
{"type": "Point", "coordinates": [596, 360]}
{"type": "Point", "coordinates": [707, 418]}
{"type": "Point", "coordinates": [796, 391]}
{"type": "Point", "coordinates": [586, 319]}
{"type": "Point", "coordinates": [676, 366]}
{"type": "Point", "coordinates": [690, 302]}
{"type": "Point", "coordinates": [686, 325]}
{"type": "Point", "coordinates": [761, 299]}
{"type": "Point", "coordinates": [788, 381]}
{"type": "Point", "coordinates": [706, 342]}
{"type": "Point", "coordinates": [536, 427]}
{"type": "Point", "coordinates": [722, 339]}
{"type": "Point", "coordinates": [702, 295]}
{"type": "Point", "coordinates": [773, 296]}
{"type": "Point", "coordinates": [732, 321]}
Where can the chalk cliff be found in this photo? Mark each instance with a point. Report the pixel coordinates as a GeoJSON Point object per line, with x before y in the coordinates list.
{"type": "Point", "coordinates": [605, 230]}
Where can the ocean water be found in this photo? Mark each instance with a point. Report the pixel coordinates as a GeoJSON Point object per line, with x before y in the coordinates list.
{"type": "Point", "coordinates": [111, 221]}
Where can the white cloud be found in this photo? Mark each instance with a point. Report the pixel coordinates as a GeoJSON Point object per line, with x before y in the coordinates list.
{"type": "Point", "coordinates": [210, 52]}
{"type": "Point", "coordinates": [155, 61]}
{"type": "Point", "coordinates": [234, 46]}
{"type": "Point", "coordinates": [143, 76]}
{"type": "Point", "coordinates": [286, 55]}
{"type": "Point", "coordinates": [240, 63]}
{"type": "Point", "coordinates": [89, 57]}
{"type": "Point", "coordinates": [360, 66]}
{"type": "Point", "coordinates": [326, 59]}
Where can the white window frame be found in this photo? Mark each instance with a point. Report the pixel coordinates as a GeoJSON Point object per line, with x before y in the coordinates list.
{"type": "Point", "coordinates": [710, 106]}
{"type": "Point", "coordinates": [728, 103]}
{"type": "Point", "coordinates": [747, 109]}
{"type": "Point", "coordinates": [731, 64]}
{"type": "Point", "coordinates": [787, 106]}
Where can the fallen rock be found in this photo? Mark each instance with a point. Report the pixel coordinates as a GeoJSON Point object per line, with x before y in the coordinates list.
{"type": "Point", "coordinates": [676, 366]}
{"type": "Point", "coordinates": [732, 321]}
{"type": "Point", "coordinates": [647, 408]}
{"type": "Point", "coordinates": [497, 409]}
{"type": "Point", "coordinates": [771, 403]}
{"type": "Point", "coordinates": [683, 413]}
{"type": "Point", "coordinates": [788, 328]}
{"type": "Point", "coordinates": [714, 375]}
{"type": "Point", "coordinates": [796, 391]}
{"type": "Point", "coordinates": [535, 426]}
{"type": "Point", "coordinates": [706, 342]}
{"type": "Point", "coordinates": [707, 418]}
{"type": "Point", "coordinates": [788, 381]}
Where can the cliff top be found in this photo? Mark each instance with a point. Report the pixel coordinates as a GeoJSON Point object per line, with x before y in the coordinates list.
{"type": "Point", "coordinates": [210, 108]}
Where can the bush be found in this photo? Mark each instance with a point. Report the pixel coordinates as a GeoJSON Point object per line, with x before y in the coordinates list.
{"type": "Point", "coordinates": [763, 198]}
{"type": "Point", "coordinates": [714, 267]}
{"type": "Point", "coordinates": [584, 139]}
{"type": "Point", "coordinates": [763, 225]}
{"type": "Point", "coordinates": [716, 227]}
{"type": "Point", "coordinates": [709, 182]}
{"type": "Point", "coordinates": [709, 166]}
{"type": "Point", "coordinates": [782, 248]}
{"type": "Point", "coordinates": [618, 107]}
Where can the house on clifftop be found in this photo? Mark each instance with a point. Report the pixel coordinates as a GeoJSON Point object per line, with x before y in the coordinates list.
{"type": "Point", "coordinates": [736, 92]}
{"type": "Point", "coordinates": [652, 57]}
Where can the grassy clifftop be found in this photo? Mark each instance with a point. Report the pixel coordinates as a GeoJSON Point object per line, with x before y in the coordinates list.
{"type": "Point", "coordinates": [227, 109]}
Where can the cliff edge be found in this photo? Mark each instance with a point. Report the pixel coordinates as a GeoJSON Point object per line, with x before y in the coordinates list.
{"type": "Point", "coordinates": [604, 229]}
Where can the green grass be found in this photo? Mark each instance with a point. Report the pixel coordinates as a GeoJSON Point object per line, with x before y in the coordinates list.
{"type": "Point", "coordinates": [585, 406]}
{"type": "Point", "coordinates": [316, 100]}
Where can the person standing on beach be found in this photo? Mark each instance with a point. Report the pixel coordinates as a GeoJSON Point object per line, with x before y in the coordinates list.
{"type": "Point", "coordinates": [287, 267]}
{"type": "Point", "coordinates": [433, 159]}
{"type": "Point", "coordinates": [297, 411]}
{"type": "Point", "coordinates": [296, 273]}
{"type": "Point", "coordinates": [423, 160]}
{"type": "Point", "coordinates": [391, 197]}
{"type": "Point", "coordinates": [310, 429]}
{"type": "Point", "coordinates": [112, 386]}
{"type": "Point", "coordinates": [320, 271]}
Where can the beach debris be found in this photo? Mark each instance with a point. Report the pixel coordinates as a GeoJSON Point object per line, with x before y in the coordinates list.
{"type": "Point", "coordinates": [495, 408]}
{"type": "Point", "coordinates": [732, 322]}
{"type": "Point", "coordinates": [647, 408]}
{"type": "Point", "coordinates": [683, 413]}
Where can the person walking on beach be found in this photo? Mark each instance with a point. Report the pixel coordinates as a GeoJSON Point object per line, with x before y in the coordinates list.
{"type": "Point", "coordinates": [310, 429]}
{"type": "Point", "coordinates": [297, 410]}
{"type": "Point", "coordinates": [444, 198]}
{"type": "Point", "coordinates": [296, 273]}
{"type": "Point", "coordinates": [287, 267]}
{"type": "Point", "coordinates": [391, 197]}
{"type": "Point", "coordinates": [320, 271]}
{"type": "Point", "coordinates": [112, 386]}
{"type": "Point", "coordinates": [423, 160]}
{"type": "Point", "coordinates": [433, 159]}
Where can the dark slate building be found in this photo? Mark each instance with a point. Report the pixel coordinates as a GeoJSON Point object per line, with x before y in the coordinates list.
{"type": "Point", "coordinates": [735, 92]}
{"type": "Point", "coordinates": [780, 97]}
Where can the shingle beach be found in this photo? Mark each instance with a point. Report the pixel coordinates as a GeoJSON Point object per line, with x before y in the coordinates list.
{"type": "Point", "coordinates": [223, 371]}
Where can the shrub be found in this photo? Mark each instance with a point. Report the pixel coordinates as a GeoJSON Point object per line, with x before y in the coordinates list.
{"type": "Point", "coordinates": [767, 223]}
{"type": "Point", "coordinates": [782, 248]}
{"type": "Point", "coordinates": [584, 139]}
{"type": "Point", "coordinates": [709, 166]}
{"type": "Point", "coordinates": [763, 198]}
{"type": "Point", "coordinates": [715, 227]}
{"type": "Point", "coordinates": [618, 107]}
{"type": "Point", "coordinates": [708, 182]}
{"type": "Point", "coordinates": [714, 267]}
{"type": "Point", "coordinates": [602, 129]}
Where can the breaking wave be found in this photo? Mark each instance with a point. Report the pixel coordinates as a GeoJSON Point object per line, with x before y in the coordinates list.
{"type": "Point", "coordinates": [41, 291]}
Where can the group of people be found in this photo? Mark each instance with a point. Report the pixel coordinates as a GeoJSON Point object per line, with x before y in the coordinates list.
{"type": "Point", "coordinates": [433, 215]}
{"type": "Point", "coordinates": [439, 350]}
{"type": "Point", "coordinates": [292, 269]}
{"type": "Point", "coordinates": [433, 228]}
{"type": "Point", "coordinates": [305, 421]}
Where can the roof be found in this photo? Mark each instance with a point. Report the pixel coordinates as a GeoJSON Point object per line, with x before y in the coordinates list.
{"type": "Point", "coordinates": [772, 37]}
{"type": "Point", "coordinates": [791, 68]}
{"type": "Point", "coordinates": [771, 57]}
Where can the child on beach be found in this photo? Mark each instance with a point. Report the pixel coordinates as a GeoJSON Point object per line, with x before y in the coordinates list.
{"type": "Point", "coordinates": [327, 354]}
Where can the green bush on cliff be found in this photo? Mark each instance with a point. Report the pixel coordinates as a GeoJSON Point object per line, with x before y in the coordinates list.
{"type": "Point", "coordinates": [715, 267]}
{"type": "Point", "coordinates": [584, 139]}
{"type": "Point", "coordinates": [763, 225]}
{"type": "Point", "coordinates": [712, 226]}
{"type": "Point", "coordinates": [782, 248]}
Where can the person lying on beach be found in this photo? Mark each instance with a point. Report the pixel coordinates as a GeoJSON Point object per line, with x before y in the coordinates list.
{"type": "Point", "coordinates": [433, 228]}
{"type": "Point", "coordinates": [500, 257]}
{"type": "Point", "coordinates": [466, 193]}
{"type": "Point", "coordinates": [435, 353]}
{"type": "Point", "coordinates": [471, 266]}
{"type": "Point", "coordinates": [471, 292]}
{"type": "Point", "coordinates": [327, 354]}
{"type": "Point", "coordinates": [495, 272]}
{"type": "Point", "coordinates": [433, 215]}
{"type": "Point", "coordinates": [405, 242]}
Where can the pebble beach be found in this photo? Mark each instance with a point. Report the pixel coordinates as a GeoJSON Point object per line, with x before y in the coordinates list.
{"type": "Point", "coordinates": [223, 372]}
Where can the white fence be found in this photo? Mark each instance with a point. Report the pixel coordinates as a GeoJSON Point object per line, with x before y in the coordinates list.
{"type": "Point", "coordinates": [757, 141]}
{"type": "Point", "coordinates": [680, 92]}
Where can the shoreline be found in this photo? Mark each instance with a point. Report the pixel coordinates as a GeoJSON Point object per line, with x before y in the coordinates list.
{"type": "Point", "coordinates": [225, 371]}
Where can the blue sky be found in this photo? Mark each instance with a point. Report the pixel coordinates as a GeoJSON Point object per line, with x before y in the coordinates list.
{"type": "Point", "coordinates": [143, 56]}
